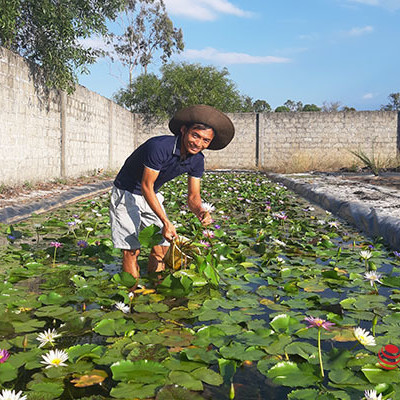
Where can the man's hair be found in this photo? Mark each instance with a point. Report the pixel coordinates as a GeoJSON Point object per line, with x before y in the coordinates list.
{"type": "Point", "coordinates": [200, 126]}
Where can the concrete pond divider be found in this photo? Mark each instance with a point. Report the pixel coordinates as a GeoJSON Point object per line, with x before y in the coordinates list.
{"type": "Point", "coordinates": [364, 218]}
{"type": "Point", "coordinates": [13, 214]}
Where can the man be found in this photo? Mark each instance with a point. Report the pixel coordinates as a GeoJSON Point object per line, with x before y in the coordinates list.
{"type": "Point", "coordinates": [135, 201]}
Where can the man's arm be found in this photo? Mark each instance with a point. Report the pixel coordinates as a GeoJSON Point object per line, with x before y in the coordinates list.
{"type": "Point", "coordinates": [194, 201]}
{"type": "Point", "coordinates": [148, 179]}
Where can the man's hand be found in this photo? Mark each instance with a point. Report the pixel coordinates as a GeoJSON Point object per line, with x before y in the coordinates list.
{"type": "Point", "coordinates": [169, 231]}
{"type": "Point", "coordinates": [205, 218]}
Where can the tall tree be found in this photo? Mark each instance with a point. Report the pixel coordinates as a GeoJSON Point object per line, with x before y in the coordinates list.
{"type": "Point", "coordinates": [331, 106]}
{"type": "Point", "coordinates": [261, 106]}
{"type": "Point", "coordinates": [311, 107]}
{"type": "Point", "coordinates": [181, 85]}
{"type": "Point", "coordinates": [394, 103]}
{"type": "Point", "coordinates": [146, 29]}
{"type": "Point", "coordinates": [293, 105]}
{"type": "Point", "coordinates": [47, 33]}
{"type": "Point", "coordinates": [282, 109]}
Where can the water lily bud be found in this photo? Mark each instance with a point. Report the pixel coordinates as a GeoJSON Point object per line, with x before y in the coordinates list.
{"type": "Point", "coordinates": [25, 342]}
{"type": "Point", "coordinates": [232, 392]}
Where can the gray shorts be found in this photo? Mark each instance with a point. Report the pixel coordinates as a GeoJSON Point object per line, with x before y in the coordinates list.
{"type": "Point", "coordinates": [129, 214]}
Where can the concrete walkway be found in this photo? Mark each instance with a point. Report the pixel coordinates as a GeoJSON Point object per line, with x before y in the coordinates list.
{"type": "Point", "coordinates": [16, 213]}
{"type": "Point", "coordinates": [374, 210]}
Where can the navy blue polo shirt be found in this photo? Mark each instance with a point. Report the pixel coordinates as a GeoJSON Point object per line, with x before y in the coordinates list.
{"type": "Point", "coordinates": [162, 154]}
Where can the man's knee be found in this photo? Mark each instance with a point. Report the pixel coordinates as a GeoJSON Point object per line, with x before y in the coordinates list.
{"type": "Point", "coordinates": [131, 253]}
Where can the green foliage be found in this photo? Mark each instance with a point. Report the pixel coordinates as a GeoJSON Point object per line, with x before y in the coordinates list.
{"type": "Point", "coordinates": [394, 103]}
{"type": "Point", "coordinates": [264, 275]}
{"type": "Point", "coordinates": [261, 106]}
{"type": "Point", "coordinates": [294, 105]}
{"type": "Point", "coordinates": [370, 162]}
{"type": "Point", "coordinates": [282, 109]}
{"type": "Point", "coordinates": [47, 33]}
{"type": "Point", "coordinates": [310, 107]}
{"type": "Point", "coordinates": [181, 85]}
{"type": "Point", "coordinates": [348, 109]}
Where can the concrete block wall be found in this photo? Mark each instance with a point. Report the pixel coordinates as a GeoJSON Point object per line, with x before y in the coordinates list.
{"type": "Point", "coordinates": [47, 137]}
{"type": "Point", "coordinates": [310, 140]}
{"type": "Point", "coordinates": [30, 125]}
{"type": "Point", "coordinates": [241, 152]}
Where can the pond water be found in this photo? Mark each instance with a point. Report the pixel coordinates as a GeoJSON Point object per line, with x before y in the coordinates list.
{"type": "Point", "coordinates": [231, 324]}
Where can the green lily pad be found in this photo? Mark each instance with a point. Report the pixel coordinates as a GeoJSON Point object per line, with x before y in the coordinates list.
{"type": "Point", "coordinates": [53, 298]}
{"type": "Point", "coordinates": [376, 374]}
{"type": "Point", "coordinates": [186, 380]}
{"type": "Point", "coordinates": [92, 351]}
{"type": "Point", "coordinates": [133, 391]}
{"type": "Point", "coordinates": [143, 371]}
{"type": "Point", "coordinates": [208, 376]}
{"type": "Point", "coordinates": [177, 393]}
{"type": "Point", "coordinates": [288, 373]}
{"type": "Point", "coordinates": [7, 372]}
{"type": "Point", "coordinates": [109, 327]}
{"type": "Point", "coordinates": [46, 390]}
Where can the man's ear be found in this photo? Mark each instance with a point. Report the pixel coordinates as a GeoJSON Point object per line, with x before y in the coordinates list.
{"type": "Point", "coordinates": [183, 129]}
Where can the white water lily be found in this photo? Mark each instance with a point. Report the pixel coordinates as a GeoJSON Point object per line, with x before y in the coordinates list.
{"type": "Point", "coordinates": [55, 358]}
{"type": "Point", "coordinates": [280, 260]}
{"type": "Point", "coordinates": [279, 242]}
{"type": "Point", "coordinates": [207, 207]}
{"type": "Point", "coordinates": [365, 254]}
{"type": "Point", "coordinates": [47, 337]}
{"type": "Point", "coordinates": [122, 307]}
{"type": "Point", "coordinates": [364, 337]}
{"type": "Point", "coordinates": [371, 395]}
{"type": "Point", "coordinates": [373, 277]}
{"type": "Point", "coordinates": [11, 395]}
{"type": "Point", "coordinates": [333, 224]}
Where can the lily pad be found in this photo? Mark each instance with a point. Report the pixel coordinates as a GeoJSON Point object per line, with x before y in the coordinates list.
{"type": "Point", "coordinates": [288, 373]}
{"type": "Point", "coordinates": [143, 371]}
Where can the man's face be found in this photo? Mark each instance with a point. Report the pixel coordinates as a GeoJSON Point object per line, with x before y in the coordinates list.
{"type": "Point", "coordinates": [196, 140]}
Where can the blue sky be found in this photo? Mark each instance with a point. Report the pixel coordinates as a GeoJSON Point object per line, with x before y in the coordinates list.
{"type": "Point", "coordinates": [312, 51]}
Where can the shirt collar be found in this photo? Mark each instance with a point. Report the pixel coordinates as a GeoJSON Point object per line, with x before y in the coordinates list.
{"type": "Point", "coordinates": [177, 146]}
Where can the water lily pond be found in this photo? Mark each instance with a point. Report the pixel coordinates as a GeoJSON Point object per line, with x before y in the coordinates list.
{"type": "Point", "coordinates": [278, 300]}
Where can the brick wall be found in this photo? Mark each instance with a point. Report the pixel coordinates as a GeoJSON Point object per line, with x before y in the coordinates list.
{"type": "Point", "coordinates": [46, 137]}
{"type": "Point", "coordinates": [312, 139]}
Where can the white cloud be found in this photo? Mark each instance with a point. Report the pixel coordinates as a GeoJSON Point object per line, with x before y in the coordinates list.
{"type": "Point", "coordinates": [310, 36]}
{"type": "Point", "coordinates": [204, 10]}
{"type": "Point", "coordinates": [389, 4]}
{"type": "Point", "coordinates": [97, 43]}
{"type": "Point", "coordinates": [357, 31]}
{"type": "Point", "coordinates": [214, 55]}
{"type": "Point", "coordinates": [368, 96]}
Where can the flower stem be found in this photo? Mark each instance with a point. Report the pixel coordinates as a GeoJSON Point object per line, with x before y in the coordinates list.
{"type": "Point", "coordinates": [54, 258]}
{"type": "Point", "coordinates": [320, 353]}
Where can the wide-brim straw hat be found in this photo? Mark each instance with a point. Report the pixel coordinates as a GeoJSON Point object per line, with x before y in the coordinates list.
{"type": "Point", "coordinates": [203, 114]}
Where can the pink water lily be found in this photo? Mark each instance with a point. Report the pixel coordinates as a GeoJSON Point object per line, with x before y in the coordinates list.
{"type": "Point", "coordinates": [4, 355]}
{"type": "Point", "coordinates": [318, 323]}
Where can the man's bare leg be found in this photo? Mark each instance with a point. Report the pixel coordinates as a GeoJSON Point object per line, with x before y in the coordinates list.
{"type": "Point", "coordinates": [130, 263]}
{"type": "Point", "coordinates": [156, 257]}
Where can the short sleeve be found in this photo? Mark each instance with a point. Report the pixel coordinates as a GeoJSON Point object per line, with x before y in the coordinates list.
{"type": "Point", "coordinates": [154, 155]}
{"type": "Point", "coordinates": [197, 169]}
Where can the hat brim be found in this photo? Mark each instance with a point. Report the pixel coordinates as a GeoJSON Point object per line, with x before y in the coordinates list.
{"type": "Point", "coordinates": [203, 114]}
